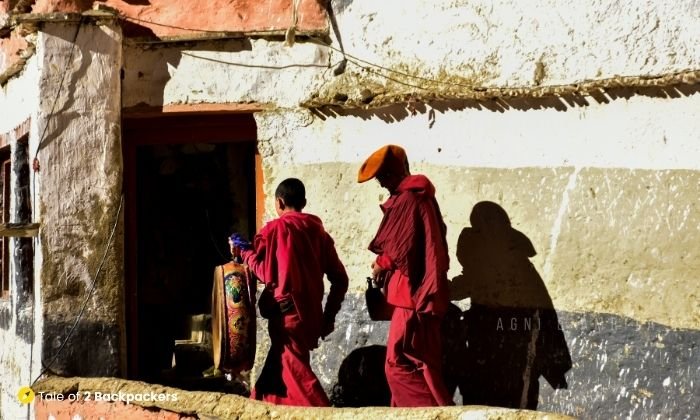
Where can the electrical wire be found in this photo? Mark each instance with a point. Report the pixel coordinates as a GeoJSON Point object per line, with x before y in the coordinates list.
{"type": "Point", "coordinates": [108, 245]}
{"type": "Point", "coordinates": [165, 25]}
{"type": "Point", "coordinates": [358, 60]}
{"type": "Point", "coordinates": [354, 59]}
{"type": "Point", "coordinates": [370, 70]}
{"type": "Point", "coordinates": [257, 66]}
{"type": "Point", "coordinates": [378, 69]}
{"type": "Point", "coordinates": [34, 164]}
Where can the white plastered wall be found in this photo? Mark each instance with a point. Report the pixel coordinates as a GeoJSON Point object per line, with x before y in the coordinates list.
{"type": "Point", "coordinates": [20, 361]}
{"type": "Point", "coordinates": [499, 43]}
{"type": "Point", "coordinates": [79, 188]}
{"type": "Point", "coordinates": [80, 160]}
{"type": "Point", "coordinates": [618, 176]}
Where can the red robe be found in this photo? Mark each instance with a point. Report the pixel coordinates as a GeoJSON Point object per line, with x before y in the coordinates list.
{"type": "Point", "coordinates": [411, 244]}
{"type": "Point", "coordinates": [290, 255]}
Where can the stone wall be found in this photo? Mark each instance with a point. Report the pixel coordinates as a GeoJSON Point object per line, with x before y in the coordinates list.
{"type": "Point", "coordinates": [507, 43]}
{"type": "Point", "coordinates": [607, 207]}
{"type": "Point", "coordinates": [605, 193]}
{"type": "Point", "coordinates": [588, 219]}
{"type": "Point", "coordinates": [592, 197]}
{"type": "Point", "coordinates": [237, 70]}
{"type": "Point", "coordinates": [159, 19]}
{"type": "Point", "coordinates": [79, 188]}
{"type": "Point", "coordinates": [71, 94]}
{"type": "Point", "coordinates": [20, 362]}
{"type": "Point", "coordinates": [162, 18]}
{"type": "Point", "coordinates": [68, 397]}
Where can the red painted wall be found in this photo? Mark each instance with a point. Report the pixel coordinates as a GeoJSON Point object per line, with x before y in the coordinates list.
{"type": "Point", "coordinates": [182, 16]}
{"type": "Point", "coordinates": [10, 49]}
{"type": "Point", "coordinates": [65, 410]}
{"type": "Point", "coordinates": [62, 6]}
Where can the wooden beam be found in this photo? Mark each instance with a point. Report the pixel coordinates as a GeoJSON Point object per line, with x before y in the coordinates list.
{"type": "Point", "coordinates": [194, 36]}
{"type": "Point", "coordinates": [179, 128]}
{"type": "Point", "coordinates": [145, 111]}
{"type": "Point", "coordinates": [19, 230]}
{"type": "Point", "coordinates": [70, 17]}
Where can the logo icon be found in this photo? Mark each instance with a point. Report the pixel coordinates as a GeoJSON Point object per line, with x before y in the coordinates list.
{"type": "Point", "coordinates": [25, 395]}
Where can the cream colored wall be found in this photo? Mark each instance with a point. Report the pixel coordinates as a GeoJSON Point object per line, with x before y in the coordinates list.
{"type": "Point", "coordinates": [606, 189]}
{"type": "Point", "coordinates": [607, 193]}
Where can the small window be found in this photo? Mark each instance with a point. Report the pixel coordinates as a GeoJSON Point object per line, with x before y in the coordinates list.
{"type": "Point", "coordinates": [16, 229]}
{"type": "Point", "coordinates": [23, 245]}
{"type": "Point", "coordinates": [5, 171]}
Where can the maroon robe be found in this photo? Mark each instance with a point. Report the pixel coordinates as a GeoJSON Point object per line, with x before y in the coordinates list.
{"type": "Point", "coordinates": [291, 254]}
{"type": "Point", "coordinates": [411, 244]}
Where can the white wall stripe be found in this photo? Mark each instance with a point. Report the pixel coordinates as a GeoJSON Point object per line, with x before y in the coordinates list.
{"type": "Point", "coordinates": [638, 133]}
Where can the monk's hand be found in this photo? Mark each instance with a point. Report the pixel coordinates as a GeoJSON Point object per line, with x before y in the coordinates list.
{"type": "Point", "coordinates": [376, 270]}
{"type": "Point", "coordinates": [239, 242]}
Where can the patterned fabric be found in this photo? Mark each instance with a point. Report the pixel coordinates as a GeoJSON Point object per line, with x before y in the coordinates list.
{"type": "Point", "coordinates": [233, 318]}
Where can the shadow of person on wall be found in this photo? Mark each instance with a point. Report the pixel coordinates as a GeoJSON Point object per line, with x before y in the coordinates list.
{"type": "Point", "coordinates": [361, 379]}
{"type": "Point", "coordinates": [512, 333]}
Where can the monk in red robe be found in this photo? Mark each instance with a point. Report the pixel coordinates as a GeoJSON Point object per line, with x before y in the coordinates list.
{"type": "Point", "coordinates": [290, 255]}
{"type": "Point", "coordinates": [411, 250]}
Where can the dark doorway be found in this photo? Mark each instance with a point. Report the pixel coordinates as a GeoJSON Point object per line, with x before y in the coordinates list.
{"type": "Point", "coordinates": [190, 182]}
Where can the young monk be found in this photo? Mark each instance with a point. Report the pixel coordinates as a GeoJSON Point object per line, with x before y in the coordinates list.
{"type": "Point", "coordinates": [290, 255]}
{"type": "Point", "coordinates": [412, 254]}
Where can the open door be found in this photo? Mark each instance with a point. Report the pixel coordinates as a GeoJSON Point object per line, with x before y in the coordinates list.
{"type": "Point", "coordinates": [190, 182]}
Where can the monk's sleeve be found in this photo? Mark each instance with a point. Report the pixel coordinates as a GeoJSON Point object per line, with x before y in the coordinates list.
{"type": "Point", "coordinates": [432, 295]}
{"type": "Point", "coordinates": [397, 236]}
{"type": "Point", "coordinates": [385, 262]}
{"type": "Point", "coordinates": [337, 276]}
{"type": "Point", "coordinates": [256, 258]}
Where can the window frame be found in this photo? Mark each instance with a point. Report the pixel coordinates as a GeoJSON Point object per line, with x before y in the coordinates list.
{"type": "Point", "coordinates": [6, 177]}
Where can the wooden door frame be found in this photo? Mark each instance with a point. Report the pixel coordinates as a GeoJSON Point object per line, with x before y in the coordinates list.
{"type": "Point", "coordinates": [167, 128]}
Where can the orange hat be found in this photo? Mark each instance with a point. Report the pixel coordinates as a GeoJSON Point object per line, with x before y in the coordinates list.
{"type": "Point", "coordinates": [388, 157]}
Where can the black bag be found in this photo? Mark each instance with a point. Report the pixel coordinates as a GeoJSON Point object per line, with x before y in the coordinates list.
{"type": "Point", "coordinates": [270, 308]}
{"type": "Point", "coordinates": [375, 296]}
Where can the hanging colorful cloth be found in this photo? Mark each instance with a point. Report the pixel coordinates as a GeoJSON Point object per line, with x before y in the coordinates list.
{"type": "Point", "coordinates": [233, 318]}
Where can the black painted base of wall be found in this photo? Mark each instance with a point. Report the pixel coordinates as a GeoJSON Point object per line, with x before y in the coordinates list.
{"type": "Point", "coordinates": [619, 367]}
{"type": "Point", "coordinates": [92, 350]}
